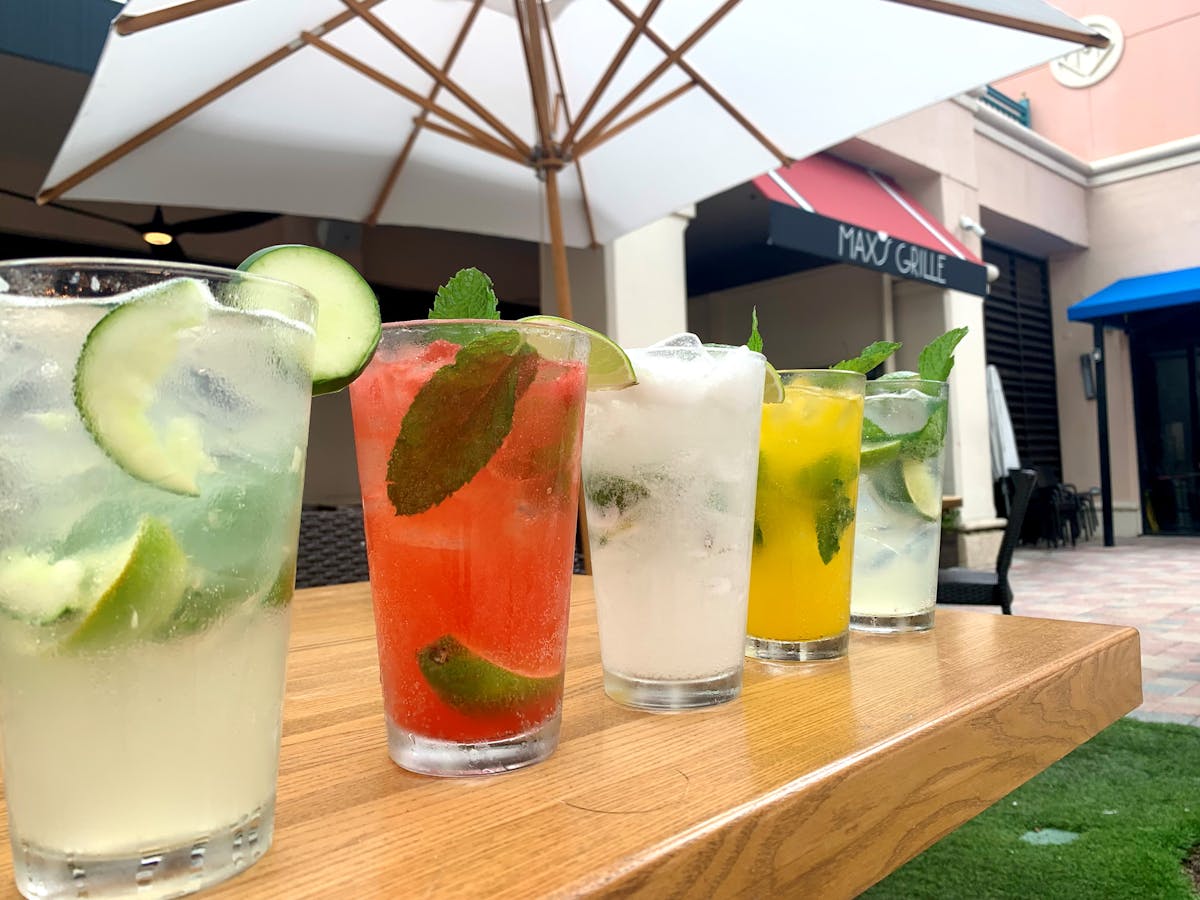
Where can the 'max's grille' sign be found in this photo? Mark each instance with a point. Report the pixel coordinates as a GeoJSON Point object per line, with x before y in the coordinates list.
{"type": "Point", "coordinates": [819, 235]}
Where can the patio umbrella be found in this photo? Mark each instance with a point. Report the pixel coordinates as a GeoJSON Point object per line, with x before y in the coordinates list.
{"type": "Point", "coordinates": [440, 113]}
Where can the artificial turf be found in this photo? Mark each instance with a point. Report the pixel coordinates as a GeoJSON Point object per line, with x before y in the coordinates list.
{"type": "Point", "coordinates": [1132, 794]}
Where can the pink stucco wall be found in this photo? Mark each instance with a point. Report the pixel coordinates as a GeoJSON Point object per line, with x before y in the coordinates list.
{"type": "Point", "coordinates": [1153, 95]}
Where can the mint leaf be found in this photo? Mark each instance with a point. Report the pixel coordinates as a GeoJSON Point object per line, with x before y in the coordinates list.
{"type": "Point", "coordinates": [458, 420]}
{"type": "Point", "coordinates": [468, 295]}
{"type": "Point", "coordinates": [606, 491]}
{"type": "Point", "coordinates": [937, 359]}
{"type": "Point", "coordinates": [834, 515]}
{"type": "Point", "coordinates": [754, 342]}
{"type": "Point", "coordinates": [872, 433]}
{"type": "Point", "coordinates": [928, 441]}
{"type": "Point", "coordinates": [870, 357]}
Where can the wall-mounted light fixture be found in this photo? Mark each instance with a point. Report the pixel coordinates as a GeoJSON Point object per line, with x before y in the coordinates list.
{"type": "Point", "coordinates": [1087, 371]}
{"type": "Point", "coordinates": [966, 223]}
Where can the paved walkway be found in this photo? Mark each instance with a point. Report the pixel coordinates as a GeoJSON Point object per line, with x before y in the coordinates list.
{"type": "Point", "coordinates": [1151, 583]}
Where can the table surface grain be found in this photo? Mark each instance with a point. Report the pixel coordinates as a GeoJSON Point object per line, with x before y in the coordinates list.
{"type": "Point", "coordinates": [820, 779]}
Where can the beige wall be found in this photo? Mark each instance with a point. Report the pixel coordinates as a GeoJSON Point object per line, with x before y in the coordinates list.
{"type": "Point", "coordinates": [1020, 189]}
{"type": "Point", "coordinates": [808, 320]}
{"type": "Point", "coordinates": [1151, 97]}
{"type": "Point", "coordinates": [1137, 227]}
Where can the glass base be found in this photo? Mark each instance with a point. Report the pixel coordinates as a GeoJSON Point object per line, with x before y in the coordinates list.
{"type": "Point", "coordinates": [660, 694]}
{"type": "Point", "coordinates": [798, 651]}
{"type": "Point", "coordinates": [151, 874]}
{"type": "Point", "coordinates": [435, 756]}
{"type": "Point", "coordinates": [896, 624]}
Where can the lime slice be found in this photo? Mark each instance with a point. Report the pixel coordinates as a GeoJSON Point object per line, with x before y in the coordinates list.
{"type": "Point", "coordinates": [880, 452]}
{"type": "Point", "coordinates": [140, 583]}
{"type": "Point", "coordinates": [348, 320]}
{"type": "Point", "coordinates": [473, 685]}
{"type": "Point", "coordinates": [116, 377]}
{"type": "Point", "coordinates": [923, 489]}
{"type": "Point", "coordinates": [609, 368]}
{"type": "Point", "coordinates": [773, 388]}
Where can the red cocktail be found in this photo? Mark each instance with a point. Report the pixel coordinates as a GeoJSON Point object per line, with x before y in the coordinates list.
{"type": "Point", "coordinates": [468, 437]}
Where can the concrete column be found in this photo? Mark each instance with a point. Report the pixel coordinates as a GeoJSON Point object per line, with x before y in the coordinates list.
{"type": "Point", "coordinates": [633, 289]}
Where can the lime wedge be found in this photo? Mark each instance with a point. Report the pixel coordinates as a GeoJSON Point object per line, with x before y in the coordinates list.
{"type": "Point", "coordinates": [348, 320]}
{"type": "Point", "coordinates": [923, 489]}
{"type": "Point", "coordinates": [880, 452]}
{"type": "Point", "coordinates": [116, 377]}
{"type": "Point", "coordinates": [609, 368]}
{"type": "Point", "coordinates": [473, 685]}
{"type": "Point", "coordinates": [773, 388]}
{"type": "Point", "coordinates": [140, 584]}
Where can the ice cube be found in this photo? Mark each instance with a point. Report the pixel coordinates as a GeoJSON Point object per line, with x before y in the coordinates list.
{"type": "Point", "coordinates": [680, 340]}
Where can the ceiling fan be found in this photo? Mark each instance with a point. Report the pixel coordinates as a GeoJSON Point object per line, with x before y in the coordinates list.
{"type": "Point", "coordinates": [161, 236]}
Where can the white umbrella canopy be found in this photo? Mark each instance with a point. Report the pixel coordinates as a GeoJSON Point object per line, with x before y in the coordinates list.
{"type": "Point", "coordinates": [421, 112]}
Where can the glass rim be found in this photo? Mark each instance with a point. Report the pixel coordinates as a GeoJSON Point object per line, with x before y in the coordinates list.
{"type": "Point", "coordinates": [893, 385]}
{"type": "Point", "coordinates": [426, 324]}
{"type": "Point", "coordinates": [720, 349]}
{"type": "Point", "coordinates": [150, 267]}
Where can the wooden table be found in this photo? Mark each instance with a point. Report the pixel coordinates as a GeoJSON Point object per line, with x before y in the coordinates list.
{"type": "Point", "coordinates": [821, 779]}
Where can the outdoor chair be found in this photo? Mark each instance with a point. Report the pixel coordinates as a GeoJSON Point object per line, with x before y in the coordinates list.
{"type": "Point", "coordinates": [333, 548]}
{"type": "Point", "coordinates": [975, 587]}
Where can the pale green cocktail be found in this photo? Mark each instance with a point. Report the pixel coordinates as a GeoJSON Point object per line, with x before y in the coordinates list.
{"type": "Point", "coordinates": [153, 427]}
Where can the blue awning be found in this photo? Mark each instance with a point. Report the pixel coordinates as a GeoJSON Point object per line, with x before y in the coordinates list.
{"type": "Point", "coordinates": [1141, 294]}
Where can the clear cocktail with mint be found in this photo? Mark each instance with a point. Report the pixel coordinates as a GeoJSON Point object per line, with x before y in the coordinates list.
{"type": "Point", "coordinates": [467, 434]}
{"type": "Point", "coordinates": [900, 495]}
{"type": "Point", "coordinates": [668, 478]}
{"type": "Point", "coordinates": [153, 427]}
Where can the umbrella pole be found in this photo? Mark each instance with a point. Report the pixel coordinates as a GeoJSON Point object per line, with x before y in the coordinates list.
{"type": "Point", "coordinates": [558, 245]}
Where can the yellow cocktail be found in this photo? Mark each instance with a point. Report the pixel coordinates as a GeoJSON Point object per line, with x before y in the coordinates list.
{"type": "Point", "coordinates": [804, 517]}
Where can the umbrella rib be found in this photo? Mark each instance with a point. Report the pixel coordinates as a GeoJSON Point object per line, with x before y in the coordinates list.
{"type": "Point", "coordinates": [712, 92]}
{"type": "Point", "coordinates": [593, 142]}
{"type": "Point", "coordinates": [639, 26]}
{"type": "Point", "coordinates": [535, 66]}
{"type": "Point", "coordinates": [172, 119]}
{"type": "Point", "coordinates": [566, 109]}
{"type": "Point", "coordinates": [673, 57]}
{"type": "Point", "coordinates": [393, 175]}
{"type": "Point", "coordinates": [482, 139]}
{"type": "Point", "coordinates": [500, 149]}
{"type": "Point", "coordinates": [1015, 22]}
{"type": "Point", "coordinates": [360, 8]}
{"type": "Point", "coordinates": [126, 24]}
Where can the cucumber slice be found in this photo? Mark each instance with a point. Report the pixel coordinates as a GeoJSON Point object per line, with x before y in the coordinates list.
{"type": "Point", "coordinates": [116, 377]}
{"type": "Point", "coordinates": [923, 489]}
{"type": "Point", "coordinates": [348, 321]}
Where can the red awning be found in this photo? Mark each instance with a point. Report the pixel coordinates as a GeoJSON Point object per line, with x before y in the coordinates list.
{"type": "Point", "coordinates": [829, 187]}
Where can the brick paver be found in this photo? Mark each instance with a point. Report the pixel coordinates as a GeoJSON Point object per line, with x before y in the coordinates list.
{"type": "Point", "coordinates": [1150, 583]}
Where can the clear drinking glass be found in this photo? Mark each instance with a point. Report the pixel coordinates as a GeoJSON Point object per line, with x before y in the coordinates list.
{"type": "Point", "coordinates": [668, 469]}
{"type": "Point", "coordinates": [804, 517]}
{"type": "Point", "coordinates": [153, 428]}
{"type": "Point", "coordinates": [467, 434]}
{"type": "Point", "coordinates": [899, 506]}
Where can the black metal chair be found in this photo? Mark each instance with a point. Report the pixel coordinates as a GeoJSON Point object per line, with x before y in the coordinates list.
{"type": "Point", "coordinates": [976, 587]}
{"type": "Point", "coordinates": [333, 546]}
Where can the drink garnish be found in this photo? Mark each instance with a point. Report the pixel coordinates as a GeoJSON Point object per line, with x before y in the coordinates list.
{"type": "Point", "coordinates": [937, 357]}
{"type": "Point", "coordinates": [348, 320]}
{"type": "Point", "coordinates": [835, 513]}
{"type": "Point", "coordinates": [608, 491]}
{"type": "Point", "coordinates": [609, 368]}
{"type": "Point", "coordinates": [474, 685]}
{"type": "Point", "coordinates": [773, 384]}
{"type": "Point", "coordinates": [467, 295]}
{"type": "Point", "coordinates": [871, 356]}
{"type": "Point", "coordinates": [458, 420]}
{"type": "Point", "coordinates": [116, 380]}
{"type": "Point", "coordinates": [140, 585]}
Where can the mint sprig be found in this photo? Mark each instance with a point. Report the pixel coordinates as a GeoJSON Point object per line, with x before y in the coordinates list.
{"type": "Point", "coordinates": [458, 420]}
{"type": "Point", "coordinates": [937, 359]}
{"type": "Point", "coordinates": [870, 357]}
{"type": "Point", "coordinates": [468, 295]}
{"type": "Point", "coordinates": [754, 342]}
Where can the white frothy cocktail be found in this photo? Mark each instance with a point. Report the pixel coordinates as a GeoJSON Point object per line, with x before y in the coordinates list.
{"type": "Point", "coordinates": [669, 469]}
